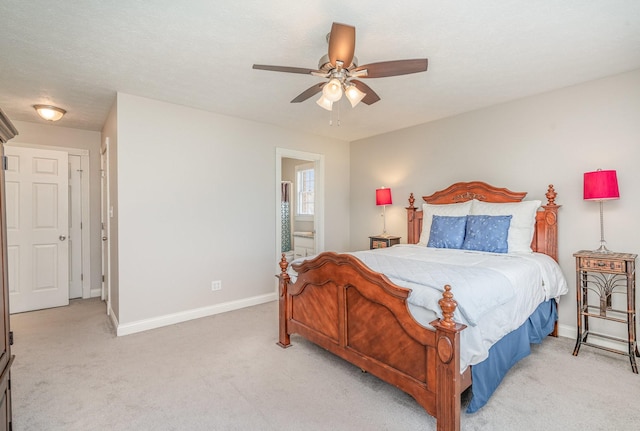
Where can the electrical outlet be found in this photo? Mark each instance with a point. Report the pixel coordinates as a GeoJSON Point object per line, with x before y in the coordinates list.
{"type": "Point", "coordinates": [216, 285]}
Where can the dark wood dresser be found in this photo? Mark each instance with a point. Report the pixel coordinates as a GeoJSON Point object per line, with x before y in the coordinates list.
{"type": "Point", "coordinates": [7, 131]}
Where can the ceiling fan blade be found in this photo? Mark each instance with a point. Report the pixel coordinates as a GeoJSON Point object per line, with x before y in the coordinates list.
{"type": "Point", "coordinates": [392, 68]}
{"type": "Point", "coordinates": [342, 44]}
{"type": "Point", "coordinates": [371, 96]}
{"type": "Point", "coordinates": [309, 92]}
{"type": "Point", "coordinates": [285, 69]}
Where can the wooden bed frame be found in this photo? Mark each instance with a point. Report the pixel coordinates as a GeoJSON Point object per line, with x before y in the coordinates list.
{"type": "Point", "coordinates": [341, 305]}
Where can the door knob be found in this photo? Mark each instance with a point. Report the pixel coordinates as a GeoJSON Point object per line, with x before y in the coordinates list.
{"type": "Point", "coordinates": [104, 238]}
{"type": "Point", "coordinates": [62, 237]}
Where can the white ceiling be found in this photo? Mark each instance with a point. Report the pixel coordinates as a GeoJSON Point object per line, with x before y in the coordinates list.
{"type": "Point", "coordinates": [78, 54]}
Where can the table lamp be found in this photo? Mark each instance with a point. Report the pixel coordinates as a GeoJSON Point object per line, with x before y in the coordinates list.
{"type": "Point", "coordinates": [383, 197]}
{"type": "Point", "coordinates": [601, 186]}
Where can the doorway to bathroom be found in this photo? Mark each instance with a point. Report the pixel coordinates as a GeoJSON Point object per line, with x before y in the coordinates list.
{"type": "Point", "coordinates": [299, 203]}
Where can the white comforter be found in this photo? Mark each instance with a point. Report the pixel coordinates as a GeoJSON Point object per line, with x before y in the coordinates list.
{"type": "Point", "coordinates": [496, 293]}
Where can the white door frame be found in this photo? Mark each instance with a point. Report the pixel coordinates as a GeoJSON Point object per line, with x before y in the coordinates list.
{"type": "Point", "coordinates": [105, 219]}
{"type": "Point", "coordinates": [76, 277]}
{"type": "Point", "coordinates": [87, 292]}
{"type": "Point", "coordinates": [318, 160]}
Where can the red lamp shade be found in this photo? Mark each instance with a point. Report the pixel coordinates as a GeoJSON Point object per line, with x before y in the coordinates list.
{"type": "Point", "coordinates": [601, 185]}
{"type": "Point", "coordinates": [383, 196]}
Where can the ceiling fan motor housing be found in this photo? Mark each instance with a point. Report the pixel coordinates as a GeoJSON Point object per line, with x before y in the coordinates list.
{"type": "Point", "coordinates": [325, 65]}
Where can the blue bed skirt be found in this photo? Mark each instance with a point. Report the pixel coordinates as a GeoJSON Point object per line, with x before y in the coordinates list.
{"type": "Point", "coordinates": [487, 375]}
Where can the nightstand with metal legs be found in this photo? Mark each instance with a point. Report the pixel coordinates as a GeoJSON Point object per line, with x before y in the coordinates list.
{"type": "Point", "coordinates": [605, 274]}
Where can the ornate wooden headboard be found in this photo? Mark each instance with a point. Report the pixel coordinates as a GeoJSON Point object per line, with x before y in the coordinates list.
{"type": "Point", "coordinates": [545, 238]}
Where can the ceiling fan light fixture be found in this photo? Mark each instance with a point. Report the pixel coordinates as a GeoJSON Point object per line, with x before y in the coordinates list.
{"type": "Point", "coordinates": [325, 103]}
{"type": "Point", "coordinates": [332, 90]}
{"type": "Point", "coordinates": [354, 95]}
{"type": "Point", "coordinates": [49, 113]}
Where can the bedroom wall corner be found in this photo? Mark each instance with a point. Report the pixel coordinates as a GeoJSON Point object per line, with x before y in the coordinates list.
{"type": "Point", "coordinates": [110, 136]}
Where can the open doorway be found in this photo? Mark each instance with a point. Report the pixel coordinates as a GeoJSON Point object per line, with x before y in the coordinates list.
{"type": "Point", "coordinates": [305, 216]}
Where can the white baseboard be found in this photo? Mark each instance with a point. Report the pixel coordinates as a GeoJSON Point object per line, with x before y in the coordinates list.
{"type": "Point", "coordinates": [95, 293]}
{"type": "Point", "coordinates": [113, 317]}
{"type": "Point", "coordinates": [567, 331]}
{"type": "Point", "coordinates": [572, 332]}
{"type": "Point", "coordinates": [183, 316]}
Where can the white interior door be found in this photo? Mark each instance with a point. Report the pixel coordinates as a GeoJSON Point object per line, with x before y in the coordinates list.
{"type": "Point", "coordinates": [37, 228]}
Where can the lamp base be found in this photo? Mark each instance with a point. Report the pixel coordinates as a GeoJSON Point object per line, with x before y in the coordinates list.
{"type": "Point", "coordinates": [384, 235]}
{"type": "Point", "coordinates": [602, 249]}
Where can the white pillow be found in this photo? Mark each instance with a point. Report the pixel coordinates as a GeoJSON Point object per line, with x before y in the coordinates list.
{"type": "Point", "coordinates": [522, 223]}
{"type": "Point", "coordinates": [429, 210]}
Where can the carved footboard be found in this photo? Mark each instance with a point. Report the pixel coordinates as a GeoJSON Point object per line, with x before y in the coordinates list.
{"type": "Point", "coordinates": [339, 304]}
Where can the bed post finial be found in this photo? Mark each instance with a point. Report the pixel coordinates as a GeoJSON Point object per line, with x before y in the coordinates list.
{"type": "Point", "coordinates": [413, 224]}
{"type": "Point", "coordinates": [283, 266]}
{"type": "Point", "coordinates": [411, 200]}
{"type": "Point", "coordinates": [448, 306]}
{"type": "Point", "coordinates": [551, 195]}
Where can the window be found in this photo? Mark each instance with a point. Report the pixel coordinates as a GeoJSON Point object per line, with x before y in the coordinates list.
{"type": "Point", "coordinates": [305, 190]}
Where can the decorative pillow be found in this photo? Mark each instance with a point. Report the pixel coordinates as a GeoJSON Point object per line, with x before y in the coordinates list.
{"type": "Point", "coordinates": [429, 210]}
{"type": "Point", "coordinates": [522, 224]}
{"type": "Point", "coordinates": [487, 233]}
{"type": "Point", "coordinates": [447, 231]}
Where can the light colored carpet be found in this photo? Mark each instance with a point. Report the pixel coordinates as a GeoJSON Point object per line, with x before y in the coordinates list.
{"type": "Point", "coordinates": [225, 372]}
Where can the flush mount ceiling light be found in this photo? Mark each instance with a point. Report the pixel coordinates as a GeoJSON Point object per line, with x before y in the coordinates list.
{"type": "Point", "coordinates": [49, 113]}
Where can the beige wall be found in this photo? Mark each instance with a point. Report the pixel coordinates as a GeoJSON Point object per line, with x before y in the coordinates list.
{"type": "Point", "coordinates": [196, 203]}
{"type": "Point", "coordinates": [56, 136]}
{"type": "Point", "coordinates": [524, 145]}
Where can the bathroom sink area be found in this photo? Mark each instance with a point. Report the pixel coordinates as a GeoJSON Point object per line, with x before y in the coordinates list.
{"type": "Point", "coordinates": [304, 243]}
{"type": "Point", "coordinates": [304, 234]}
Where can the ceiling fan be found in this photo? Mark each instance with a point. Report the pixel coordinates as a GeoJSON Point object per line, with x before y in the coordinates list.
{"type": "Point", "coordinates": [340, 67]}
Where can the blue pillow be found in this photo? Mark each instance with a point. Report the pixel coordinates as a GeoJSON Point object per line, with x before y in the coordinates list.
{"type": "Point", "coordinates": [447, 231]}
{"type": "Point", "coordinates": [487, 233]}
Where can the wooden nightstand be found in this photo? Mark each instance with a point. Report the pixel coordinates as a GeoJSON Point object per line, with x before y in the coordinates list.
{"type": "Point", "coordinates": [605, 274]}
{"type": "Point", "coordinates": [380, 241]}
